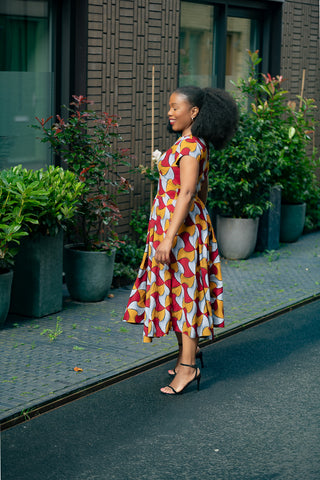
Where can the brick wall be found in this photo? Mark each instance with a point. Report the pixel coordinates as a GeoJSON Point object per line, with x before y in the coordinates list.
{"type": "Point", "coordinates": [300, 49]}
{"type": "Point", "coordinates": [125, 38]}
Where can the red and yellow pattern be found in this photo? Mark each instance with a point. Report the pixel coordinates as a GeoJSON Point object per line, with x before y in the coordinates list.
{"type": "Point", "coordinates": [185, 296]}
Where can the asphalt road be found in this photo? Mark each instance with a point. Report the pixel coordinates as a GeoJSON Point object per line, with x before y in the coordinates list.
{"type": "Point", "coordinates": [256, 417]}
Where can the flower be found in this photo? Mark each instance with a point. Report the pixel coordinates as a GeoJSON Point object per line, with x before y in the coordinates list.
{"type": "Point", "coordinates": [156, 155]}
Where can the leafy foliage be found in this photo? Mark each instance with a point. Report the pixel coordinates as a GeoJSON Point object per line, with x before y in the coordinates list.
{"type": "Point", "coordinates": [88, 143]}
{"type": "Point", "coordinates": [63, 191]}
{"type": "Point", "coordinates": [53, 334]}
{"type": "Point", "coordinates": [239, 177]}
{"type": "Point", "coordinates": [139, 223]}
{"type": "Point", "coordinates": [151, 171]}
{"type": "Point", "coordinates": [34, 201]}
{"type": "Point", "coordinates": [286, 132]}
{"type": "Point", "coordinates": [297, 168]}
{"type": "Point", "coordinates": [130, 253]}
{"type": "Point", "coordinates": [18, 202]}
{"type": "Point", "coordinates": [270, 148]}
{"type": "Point", "coordinates": [313, 207]}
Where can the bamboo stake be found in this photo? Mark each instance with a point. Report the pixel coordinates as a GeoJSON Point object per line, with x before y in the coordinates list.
{"type": "Point", "coordinates": [302, 87]}
{"type": "Point", "coordinates": [152, 133]}
{"type": "Point", "coordinates": [301, 95]}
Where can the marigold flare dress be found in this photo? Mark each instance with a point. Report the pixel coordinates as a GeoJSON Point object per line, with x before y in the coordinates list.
{"type": "Point", "coordinates": [185, 296]}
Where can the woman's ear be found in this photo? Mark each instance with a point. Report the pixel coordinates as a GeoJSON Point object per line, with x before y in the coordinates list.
{"type": "Point", "coordinates": [194, 111]}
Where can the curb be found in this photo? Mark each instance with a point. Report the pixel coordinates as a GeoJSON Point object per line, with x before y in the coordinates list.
{"type": "Point", "coordinates": [78, 393]}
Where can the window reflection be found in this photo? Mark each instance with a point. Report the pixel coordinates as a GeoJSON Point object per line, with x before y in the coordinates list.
{"type": "Point", "coordinates": [202, 36]}
{"type": "Point", "coordinates": [242, 35]}
{"type": "Point", "coordinates": [26, 81]}
{"type": "Point", "coordinates": [196, 44]}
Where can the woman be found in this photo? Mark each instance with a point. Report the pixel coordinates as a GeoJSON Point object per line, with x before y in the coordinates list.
{"type": "Point", "coordinates": [179, 284]}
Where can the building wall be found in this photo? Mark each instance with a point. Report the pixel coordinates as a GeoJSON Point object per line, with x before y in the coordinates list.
{"type": "Point", "coordinates": [300, 50]}
{"type": "Point", "coordinates": [125, 39]}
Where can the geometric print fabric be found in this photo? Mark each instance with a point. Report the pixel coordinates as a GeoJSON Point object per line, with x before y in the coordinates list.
{"type": "Point", "coordinates": [187, 295]}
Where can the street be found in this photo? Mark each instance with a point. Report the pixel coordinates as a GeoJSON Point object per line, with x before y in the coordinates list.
{"type": "Point", "coordinates": [256, 417]}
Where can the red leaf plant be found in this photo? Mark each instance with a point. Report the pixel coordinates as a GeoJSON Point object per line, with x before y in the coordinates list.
{"type": "Point", "coordinates": [88, 142]}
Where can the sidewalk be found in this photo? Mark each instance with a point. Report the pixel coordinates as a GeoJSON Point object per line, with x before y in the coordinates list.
{"type": "Point", "coordinates": [34, 370]}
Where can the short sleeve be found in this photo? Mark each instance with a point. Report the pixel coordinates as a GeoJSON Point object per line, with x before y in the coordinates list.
{"type": "Point", "coordinates": [189, 146]}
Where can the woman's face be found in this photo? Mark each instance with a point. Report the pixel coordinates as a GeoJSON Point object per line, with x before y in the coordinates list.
{"type": "Point", "coordinates": [181, 114]}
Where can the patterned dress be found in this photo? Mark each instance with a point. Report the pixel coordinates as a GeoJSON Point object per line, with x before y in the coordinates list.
{"type": "Point", "coordinates": [185, 296]}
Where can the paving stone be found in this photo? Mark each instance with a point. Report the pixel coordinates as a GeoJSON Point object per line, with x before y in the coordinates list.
{"type": "Point", "coordinates": [34, 370]}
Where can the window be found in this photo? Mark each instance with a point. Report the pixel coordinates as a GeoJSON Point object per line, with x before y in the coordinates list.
{"type": "Point", "coordinates": [196, 44]}
{"type": "Point", "coordinates": [215, 37]}
{"type": "Point", "coordinates": [242, 35]}
{"type": "Point", "coordinates": [26, 81]}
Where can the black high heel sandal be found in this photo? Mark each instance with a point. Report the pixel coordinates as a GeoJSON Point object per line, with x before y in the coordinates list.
{"type": "Point", "coordinates": [196, 378]}
{"type": "Point", "coordinates": [199, 355]}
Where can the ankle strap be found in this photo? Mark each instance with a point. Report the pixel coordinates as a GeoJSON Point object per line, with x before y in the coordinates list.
{"type": "Point", "coordinates": [186, 365]}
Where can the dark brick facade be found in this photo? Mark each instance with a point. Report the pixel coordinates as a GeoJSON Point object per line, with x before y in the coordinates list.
{"type": "Point", "coordinates": [127, 37]}
{"type": "Point", "coordinates": [300, 48]}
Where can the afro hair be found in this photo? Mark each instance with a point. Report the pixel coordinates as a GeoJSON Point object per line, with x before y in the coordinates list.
{"type": "Point", "coordinates": [218, 115]}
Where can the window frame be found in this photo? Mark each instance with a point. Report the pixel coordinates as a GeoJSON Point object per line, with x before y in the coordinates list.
{"type": "Point", "coordinates": [268, 12]}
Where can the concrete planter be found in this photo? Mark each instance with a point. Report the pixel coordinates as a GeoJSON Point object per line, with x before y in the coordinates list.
{"type": "Point", "coordinates": [5, 293]}
{"type": "Point", "coordinates": [88, 274]}
{"type": "Point", "coordinates": [237, 237]}
{"type": "Point", "coordinates": [269, 224]}
{"type": "Point", "coordinates": [37, 279]}
{"type": "Point", "coordinates": [292, 222]}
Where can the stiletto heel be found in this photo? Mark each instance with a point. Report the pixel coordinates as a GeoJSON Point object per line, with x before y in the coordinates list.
{"type": "Point", "coordinates": [196, 377]}
{"type": "Point", "coordinates": [200, 356]}
{"type": "Point", "coordinates": [198, 381]}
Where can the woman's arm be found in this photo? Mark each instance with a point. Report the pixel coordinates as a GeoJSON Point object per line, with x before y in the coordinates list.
{"type": "Point", "coordinates": [189, 172]}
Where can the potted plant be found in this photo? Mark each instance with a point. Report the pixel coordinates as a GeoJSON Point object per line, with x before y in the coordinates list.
{"type": "Point", "coordinates": [18, 202]}
{"type": "Point", "coordinates": [38, 268]}
{"type": "Point", "coordinates": [263, 98]}
{"type": "Point", "coordinates": [291, 129]}
{"type": "Point", "coordinates": [297, 168]}
{"type": "Point", "coordinates": [239, 183]}
{"type": "Point", "coordinates": [88, 143]}
{"type": "Point", "coordinates": [284, 135]}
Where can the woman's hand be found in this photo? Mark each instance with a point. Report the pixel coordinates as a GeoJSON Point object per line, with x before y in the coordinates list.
{"type": "Point", "coordinates": [163, 251]}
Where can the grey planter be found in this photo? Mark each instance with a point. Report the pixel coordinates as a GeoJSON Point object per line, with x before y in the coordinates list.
{"type": "Point", "coordinates": [5, 292]}
{"type": "Point", "coordinates": [269, 224]}
{"type": "Point", "coordinates": [37, 279]}
{"type": "Point", "coordinates": [88, 274]}
{"type": "Point", "coordinates": [236, 237]}
{"type": "Point", "coordinates": [292, 222]}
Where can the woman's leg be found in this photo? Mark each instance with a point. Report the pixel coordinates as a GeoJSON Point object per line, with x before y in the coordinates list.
{"type": "Point", "coordinates": [185, 374]}
{"type": "Point", "coordinates": [179, 340]}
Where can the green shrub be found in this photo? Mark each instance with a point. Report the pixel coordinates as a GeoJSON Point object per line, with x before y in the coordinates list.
{"type": "Point", "coordinates": [89, 143]}
{"type": "Point", "coordinates": [130, 253]}
{"type": "Point", "coordinates": [34, 201]}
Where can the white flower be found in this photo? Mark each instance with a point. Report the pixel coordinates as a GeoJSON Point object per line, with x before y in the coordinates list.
{"type": "Point", "coordinates": [156, 156]}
